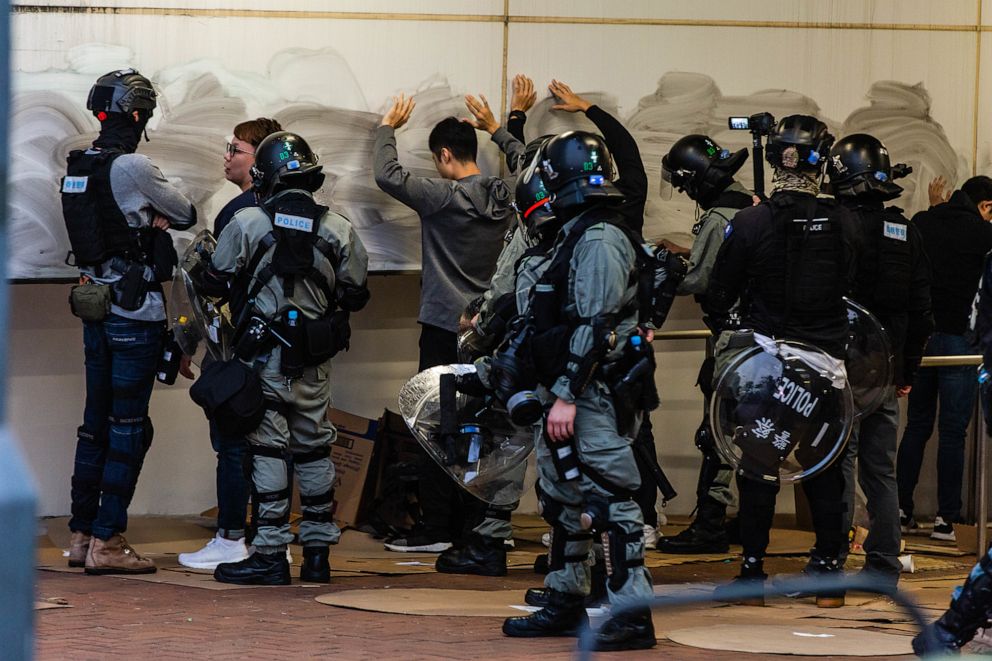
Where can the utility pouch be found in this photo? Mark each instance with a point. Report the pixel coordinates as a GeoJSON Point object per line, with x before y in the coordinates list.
{"type": "Point", "coordinates": [324, 338]}
{"type": "Point", "coordinates": [90, 301]}
{"type": "Point", "coordinates": [230, 393]}
{"type": "Point", "coordinates": [130, 290]}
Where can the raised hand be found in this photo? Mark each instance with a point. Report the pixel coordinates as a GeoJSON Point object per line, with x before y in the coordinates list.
{"type": "Point", "coordinates": [568, 100]}
{"type": "Point", "coordinates": [399, 113]}
{"type": "Point", "coordinates": [483, 114]}
{"type": "Point", "coordinates": [939, 191]}
{"type": "Point", "coordinates": [524, 96]}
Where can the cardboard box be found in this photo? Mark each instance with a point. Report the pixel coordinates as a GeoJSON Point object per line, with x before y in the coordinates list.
{"type": "Point", "coordinates": [966, 537]}
{"type": "Point", "coordinates": [352, 454]}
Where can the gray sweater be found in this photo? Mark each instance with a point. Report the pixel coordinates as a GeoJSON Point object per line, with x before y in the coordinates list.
{"type": "Point", "coordinates": [140, 191]}
{"type": "Point", "coordinates": [462, 228]}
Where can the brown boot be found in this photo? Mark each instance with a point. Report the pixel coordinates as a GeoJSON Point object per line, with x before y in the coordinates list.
{"type": "Point", "coordinates": [115, 556]}
{"type": "Point", "coordinates": [79, 547]}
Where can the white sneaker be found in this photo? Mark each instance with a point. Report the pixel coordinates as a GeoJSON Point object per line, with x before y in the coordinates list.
{"type": "Point", "coordinates": [942, 530]}
{"type": "Point", "coordinates": [651, 537]}
{"type": "Point", "coordinates": [217, 551]}
{"type": "Point", "coordinates": [546, 540]}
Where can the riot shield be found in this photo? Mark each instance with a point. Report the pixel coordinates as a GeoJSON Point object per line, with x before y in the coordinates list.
{"type": "Point", "coordinates": [868, 360]}
{"type": "Point", "coordinates": [201, 326]}
{"type": "Point", "coordinates": [778, 414]}
{"type": "Point", "coordinates": [488, 456]}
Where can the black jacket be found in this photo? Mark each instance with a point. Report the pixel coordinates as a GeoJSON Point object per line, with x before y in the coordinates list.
{"type": "Point", "coordinates": [790, 260]}
{"type": "Point", "coordinates": [956, 239]}
{"type": "Point", "coordinates": [893, 282]}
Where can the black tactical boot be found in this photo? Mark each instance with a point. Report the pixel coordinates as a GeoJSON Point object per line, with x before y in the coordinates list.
{"type": "Point", "coordinates": [596, 597]}
{"type": "Point", "coordinates": [316, 567]}
{"type": "Point", "coordinates": [826, 566]}
{"type": "Point", "coordinates": [970, 610]}
{"type": "Point", "coordinates": [482, 556]}
{"type": "Point", "coordinates": [565, 615]}
{"type": "Point", "coordinates": [256, 569]}
{"type": "Point", "coordinates": [706, 533]}
{"type": "Point", "coordinates": [752, 575]}
{"type": "Point", "coordinates": [627, 631]}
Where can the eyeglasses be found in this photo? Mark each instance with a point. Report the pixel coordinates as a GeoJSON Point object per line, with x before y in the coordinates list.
{"type": "Point", "coordinates": [231, 150]}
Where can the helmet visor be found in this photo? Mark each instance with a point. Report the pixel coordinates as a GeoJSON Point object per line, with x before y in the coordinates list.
{"type": "Point", "coordinates": [666, 188]}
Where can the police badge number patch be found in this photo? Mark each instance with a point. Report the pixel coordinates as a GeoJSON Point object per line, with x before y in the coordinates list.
{"type": "Point", "coordinates": [74, 184]}
{"type": "Point", "coordinates": [894, 231]}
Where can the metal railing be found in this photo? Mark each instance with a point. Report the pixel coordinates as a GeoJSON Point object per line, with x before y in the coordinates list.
{"type": "Point", "coordinates": [979, 432]}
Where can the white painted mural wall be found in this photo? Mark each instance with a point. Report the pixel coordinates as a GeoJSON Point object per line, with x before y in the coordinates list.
{"type": "Point", "coordinates": [907, 70]}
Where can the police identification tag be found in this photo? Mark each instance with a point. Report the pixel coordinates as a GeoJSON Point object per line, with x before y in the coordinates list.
{"type": "Point", "coordinates": [74, 184]}
{"type": "Point", "coordinates": [290, 222]}
{"type": "Point", "coordinates": [894, 231]}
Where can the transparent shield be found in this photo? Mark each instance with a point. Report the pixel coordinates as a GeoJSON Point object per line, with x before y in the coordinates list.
{"type": "Point", "coordinates": [869, 359]}
{"type": "Point", "coordinates": [201, 325]}
{"type": "Point", "coordinates": [490, 457]}
{"type": "Point", "coordinates": [776, 417]}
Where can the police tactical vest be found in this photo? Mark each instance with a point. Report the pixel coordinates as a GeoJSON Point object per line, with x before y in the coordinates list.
{"type": "Point", "coordinates": [96, 226]}
{"type": "Point", "coordinates": [295, 219]}
{"type": "Point", "coordinates": [884, 277]}
{"type": "Point", "coordinates": [814, 255]}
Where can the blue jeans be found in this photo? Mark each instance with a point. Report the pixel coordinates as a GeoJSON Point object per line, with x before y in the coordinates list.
{"type": "Point", "coordinates": [232, 483]}
{"type": "Point", "coordinates": [121, 358]}
{"type": "Point", "coordinates": [955, 388]}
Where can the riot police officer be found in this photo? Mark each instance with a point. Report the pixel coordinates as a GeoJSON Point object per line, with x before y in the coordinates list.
{"type": "Point", "coordinates": [893, 283]}
{"type": "Point", "coordinates": [117, 206]}
{"type": "Point", "coordinates": [296, 271]}
{"type": "Point", "coordinates": [701, 169]}
{"type": "Point", "coordinates": [578, 312]}
{"type": "Point", "coordinates": [790, 260]}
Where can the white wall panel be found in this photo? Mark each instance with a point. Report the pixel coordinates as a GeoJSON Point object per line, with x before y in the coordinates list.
{"type": "Point", "coordinates": [942, 12]}
{"type": "Point", "coordinates": [471, 7]}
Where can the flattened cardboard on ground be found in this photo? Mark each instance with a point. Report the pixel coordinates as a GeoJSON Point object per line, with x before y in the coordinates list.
{"type": "Point", "coordinates": [966, 537]}
{"type": "Point", "coordinates": [352, 454]}
{"type": "Point", "coordinates": [792, 639]}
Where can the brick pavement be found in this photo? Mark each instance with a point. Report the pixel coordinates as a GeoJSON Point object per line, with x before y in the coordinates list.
{"type": "Point", "coordinates": [124, 619]}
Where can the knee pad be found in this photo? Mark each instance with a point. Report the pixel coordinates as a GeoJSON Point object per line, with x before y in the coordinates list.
{"type": "Point", "coordinates": [557, 556]}
{"type": "Point", "coordinates": [98, 439]}
{"type": "Point", "coordinates": [259, 497]}
{"type": "Point", "coordinates": [311, 456]}
{"type": "Point", "coordinates": [618, 565]}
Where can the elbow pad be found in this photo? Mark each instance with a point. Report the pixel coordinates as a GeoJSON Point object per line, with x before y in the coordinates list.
{"type": "Point", "coordinates": [353, 298]}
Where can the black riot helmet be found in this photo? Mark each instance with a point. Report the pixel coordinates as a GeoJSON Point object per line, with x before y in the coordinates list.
{"type": "Point", "coordinates": [122, 91]}
{"type": "Point", "coordinates": [859, 165]}
{"type": "Point", "coordinates": [577, 169]}
{"type": "Point", "coordinates": [699, 167]}
{"type": "Point", "coordinates": [800, 143]}
{"type": "Point", "coordinates": [284, 160]}
{"type": "Point", "coordinates": [531, 198]}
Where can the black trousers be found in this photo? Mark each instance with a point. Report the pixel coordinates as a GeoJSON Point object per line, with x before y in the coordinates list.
{"type": "Point", "coordinates": [446, 509]}
{"type": "Point", "coordinates": [825, 493]}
